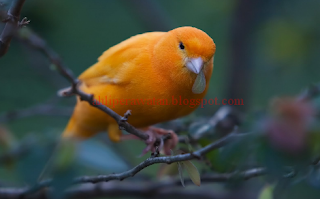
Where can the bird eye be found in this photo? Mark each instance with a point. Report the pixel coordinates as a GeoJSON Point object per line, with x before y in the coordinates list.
{"type": "Point", "coordinates": [181, 46]}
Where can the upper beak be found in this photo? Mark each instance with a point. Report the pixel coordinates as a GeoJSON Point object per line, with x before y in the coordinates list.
{"type": "Point", "coordinates": [195, 64]}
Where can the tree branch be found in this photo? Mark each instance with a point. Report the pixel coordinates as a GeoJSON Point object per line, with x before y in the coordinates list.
{"type": "Point", "coordinates": [12, 24]}
{"type": "Point", "coordinates": [128, 190]}
{"type": "Point", "coordinates": [153, 160]}
{"type": "Point", "coordinates": [134, 190]}
{"type": "Point", "coordinates": [168, 188]}
{"type": "Point", "coordinates": [150, 161]}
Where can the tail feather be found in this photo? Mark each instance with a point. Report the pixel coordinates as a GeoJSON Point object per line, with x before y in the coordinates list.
{"type": "Point", "coordinates": [75, 130]}
{"type": "Point", "coordinates": [72, 131]}
{"type": "Point", "coordinates": [48, 166]}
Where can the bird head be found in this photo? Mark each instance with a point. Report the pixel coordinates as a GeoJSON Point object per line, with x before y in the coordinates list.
{"type": "Point", "coordinates": [186, 53]}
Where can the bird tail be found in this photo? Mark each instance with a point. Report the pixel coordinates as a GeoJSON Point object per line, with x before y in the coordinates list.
{"type": "Point", "coordinates": [48, 166]}
{"type": "Point", "coordinates": [72, 131]}
{"type": "Point", "coordinates": [76, 130]}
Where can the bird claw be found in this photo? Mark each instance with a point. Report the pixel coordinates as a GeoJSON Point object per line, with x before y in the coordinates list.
{"type": "Point", "coordinates": [158, 133]}
{"type": "Point", "coordinates": [156, 153]}
{"type": "Point", "coordinates": [24, 22]}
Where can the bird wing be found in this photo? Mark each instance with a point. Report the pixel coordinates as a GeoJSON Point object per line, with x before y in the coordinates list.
{"type": "Point", "coordinates": [115, 64]}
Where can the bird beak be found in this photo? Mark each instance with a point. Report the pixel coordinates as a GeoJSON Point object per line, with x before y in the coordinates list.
{"type": "Point", "coordinates": [195, 64]}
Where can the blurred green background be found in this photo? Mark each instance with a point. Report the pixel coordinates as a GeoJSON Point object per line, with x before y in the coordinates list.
{"type": "Point", "coordinates": [264, 49]}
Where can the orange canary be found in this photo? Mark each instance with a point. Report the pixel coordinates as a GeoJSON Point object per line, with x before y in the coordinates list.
{"type": "Point", "coordinates": [147, 74]}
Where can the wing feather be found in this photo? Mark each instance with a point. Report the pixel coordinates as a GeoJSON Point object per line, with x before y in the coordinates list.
{"type": "Point", "coordinates": [114, 64]}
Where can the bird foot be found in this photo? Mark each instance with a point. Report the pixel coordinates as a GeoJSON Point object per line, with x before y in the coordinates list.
{"type": "Point", "coordinates": [164, 146]}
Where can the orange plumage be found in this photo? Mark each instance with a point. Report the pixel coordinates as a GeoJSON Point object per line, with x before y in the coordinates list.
{"type": "Point", "coordinates": [155, 65]}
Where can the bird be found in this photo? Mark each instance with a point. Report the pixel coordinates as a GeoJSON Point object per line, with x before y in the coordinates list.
{"type": "Point", "coordinates": [147, 74]}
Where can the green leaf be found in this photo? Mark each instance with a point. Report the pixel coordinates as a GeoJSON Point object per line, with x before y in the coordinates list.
{"type": "Point", "coordinates": [267, 192]}
{"type": "Point", "coordinates": [180, 168]}
{"type": "Point", "coordinates": [166, 170]}
{"type": "Point", "coordinates": [192, 172]}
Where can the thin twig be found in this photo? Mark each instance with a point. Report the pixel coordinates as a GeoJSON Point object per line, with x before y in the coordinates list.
{"type": "Point", "coordinates": [42, 109]}
{"type": "Point", "coordinates": [12, 24]}
{"type": "Point", "coordinates": [223, 113]}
